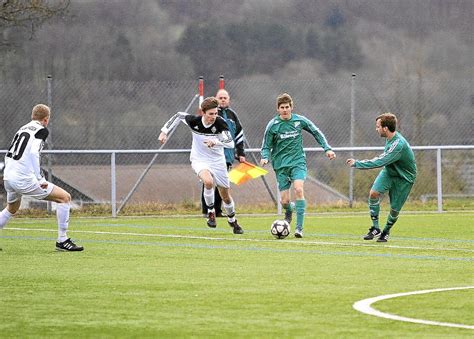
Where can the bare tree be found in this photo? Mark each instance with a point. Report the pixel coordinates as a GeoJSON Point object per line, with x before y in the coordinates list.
{"type": "Point", "coordinates": [28, 14]}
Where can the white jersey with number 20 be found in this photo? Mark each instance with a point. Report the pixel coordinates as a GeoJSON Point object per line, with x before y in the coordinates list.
{"type": "Point", "coordinates": [22, 161]}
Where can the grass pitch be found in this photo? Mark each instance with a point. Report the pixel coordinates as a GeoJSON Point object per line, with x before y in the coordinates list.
{"type": "Point", "coordinates": [174, 277]}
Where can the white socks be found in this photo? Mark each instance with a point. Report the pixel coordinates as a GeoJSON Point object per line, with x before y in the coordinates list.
{"type": "Point", "coordinates": [209, 196]}
{"type": "Point", "coordinates": [230, 210]}
{"type": "Point", "coordinates": [5, 216]}
{"type": "Point", "coordinates": [62, 214]}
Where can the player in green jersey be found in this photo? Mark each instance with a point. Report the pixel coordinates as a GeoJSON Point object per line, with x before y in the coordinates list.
{"type": "Point", "coordinates": [397, 176]}
{"type": "Point", "coordinates": [283, 145]}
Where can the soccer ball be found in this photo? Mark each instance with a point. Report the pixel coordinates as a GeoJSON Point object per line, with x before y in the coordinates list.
{"type": "Point", "coordinates": [280, 229]}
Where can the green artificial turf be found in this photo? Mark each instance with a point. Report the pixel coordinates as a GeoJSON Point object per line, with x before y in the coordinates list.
{"type": "Point", "coordinates": [175, 277]}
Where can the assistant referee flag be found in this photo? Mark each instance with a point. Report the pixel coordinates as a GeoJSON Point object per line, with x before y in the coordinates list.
{"type": "Point", "coordinates": [244, 172]}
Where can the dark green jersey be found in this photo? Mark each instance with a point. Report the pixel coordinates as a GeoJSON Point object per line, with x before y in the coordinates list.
{"type": "Point", "coordinates": [398, 159]}
{"type": "Point", "coordinates": [283, 140]}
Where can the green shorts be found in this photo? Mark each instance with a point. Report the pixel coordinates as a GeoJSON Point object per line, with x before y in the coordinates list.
{"type": "Point", "coordinates": [398, 189]}
{"type": "Point", "coordinates": [286, 175]}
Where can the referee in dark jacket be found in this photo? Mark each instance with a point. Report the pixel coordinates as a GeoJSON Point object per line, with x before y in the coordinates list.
{"type": "Point", "coordinates": [231, 154]}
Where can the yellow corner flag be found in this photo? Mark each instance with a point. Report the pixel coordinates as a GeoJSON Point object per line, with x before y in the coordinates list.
{"type": "Point", "coordinates": [244, 172]}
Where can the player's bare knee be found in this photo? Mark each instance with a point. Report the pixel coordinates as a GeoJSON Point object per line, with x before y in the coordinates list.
{"type": "Point", "coordinates": [374, 194]}
{"type": "Point", "coordinates": [299, 192]}
{"type": "Point", "coordinates": [63, 198]}
{"type": "Point", "coordinates": [209, 184]}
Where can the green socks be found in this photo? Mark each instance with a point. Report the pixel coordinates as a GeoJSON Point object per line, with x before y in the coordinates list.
{"type": "Point", "coordinates": [288, 207]}
{"type": "Point", "coordinates": [300, 211]}
{"type": "Point", "coordinates": [392, 219]}
{"type": "Point", "coordinates": [374, 207]}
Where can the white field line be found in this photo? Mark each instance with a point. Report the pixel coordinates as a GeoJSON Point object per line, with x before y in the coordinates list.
{"type": "Point", "coordinates": [364, 306]}
{"type": "Point", "coordinates": [316, 215]}
{"type": "Point", "coordinates": [305, 242]}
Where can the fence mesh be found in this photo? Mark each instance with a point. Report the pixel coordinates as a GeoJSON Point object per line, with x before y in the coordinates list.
{"type": "Point", "coordinates": [128, 115]}
{"type": "Point", "coordinates": [118, 115]}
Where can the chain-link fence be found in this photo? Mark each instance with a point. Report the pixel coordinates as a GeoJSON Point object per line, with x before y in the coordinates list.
{"type": "Point", "coordinates": [103, 115]}
{"type": "Point", "coordinates": [140, 181]}
{"type": "Point", "coordinates": [128, 115]}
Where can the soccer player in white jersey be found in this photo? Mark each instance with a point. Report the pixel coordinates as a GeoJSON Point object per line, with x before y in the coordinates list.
{"type": "Point", "coordinates": [210, 136]}
{"type": "Point", "coordinates": [22, 176]}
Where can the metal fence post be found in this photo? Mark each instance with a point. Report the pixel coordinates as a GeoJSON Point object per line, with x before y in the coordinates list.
{"type": "Point", "coordinates": [351, 142]}
{"type": "Point", "coordinates": [50, 139]}
{"type": "Point", "coordinates": [140, 179]}
{"type": "Point", "coordinates": [439, 180]}
{"type": "Point", "coordinates": [113, 193]}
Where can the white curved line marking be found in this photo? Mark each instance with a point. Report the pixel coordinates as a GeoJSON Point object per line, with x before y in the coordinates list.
{"type": "Point", "coordinates": [364, 307]}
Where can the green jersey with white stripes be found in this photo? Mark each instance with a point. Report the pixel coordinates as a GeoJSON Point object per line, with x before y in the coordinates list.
{"type": "Point", "coordinates": [398, 159]}
{"type": "Point", "coordinates": [283, 140]}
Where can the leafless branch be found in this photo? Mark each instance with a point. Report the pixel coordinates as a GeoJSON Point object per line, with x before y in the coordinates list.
{"type": "Point", "coordinates": [27, 12]}
{"type": "Point", "coordinates": [28, 15]}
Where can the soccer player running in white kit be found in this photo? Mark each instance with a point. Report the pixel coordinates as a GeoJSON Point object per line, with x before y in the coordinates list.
{"type": "Point", "coordinates": [210, 136]}
{"type": "Point", "coordinates": [22, 176]}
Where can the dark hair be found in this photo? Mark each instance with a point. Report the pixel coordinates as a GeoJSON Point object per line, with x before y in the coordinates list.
{"type": "Point", "coordinates": [209, 103]}
{"type": "Point", "coordinates": [388, 120]}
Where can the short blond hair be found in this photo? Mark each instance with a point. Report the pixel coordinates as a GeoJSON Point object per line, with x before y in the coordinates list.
{"type": "Point", "coordinates": [40, 112]}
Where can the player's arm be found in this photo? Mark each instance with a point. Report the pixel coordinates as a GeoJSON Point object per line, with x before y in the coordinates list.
{"type": "Point", "coordinates": [171, 124]}
{"type": "Point", "coordinates": [267, 145]}
{"type": "Point", "coordinates": [310, 127]}
{"type": "Point", "coordinates": [35, 150]}
{"type": "Point", "coordinates": [225, 139]}
{"type": "Point", "coordinates": [393, 154]}
{"type": "Point", "coordinates": [239, 139]}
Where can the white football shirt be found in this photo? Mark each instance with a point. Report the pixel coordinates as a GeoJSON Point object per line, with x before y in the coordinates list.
{"type": "Point", "coordinates": [22, 161]}
{"type": "Point", "coordinates": [219, 131]}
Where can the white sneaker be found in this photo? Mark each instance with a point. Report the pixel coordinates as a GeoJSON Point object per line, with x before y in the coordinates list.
{"type": "Point", "coordinates": [298, 233]}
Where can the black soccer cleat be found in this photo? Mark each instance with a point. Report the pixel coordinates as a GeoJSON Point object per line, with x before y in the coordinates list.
{"type": "Point", "coordinates": [211, 219]}
{"type": "Point", "coordinates": [383, 237]}
{"type": "Point", "coordinates": [373, 233]}
{"type": "Point", "coordinates": [68, 246]}
{"type": "Point", "coordinates": [236, 227]}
